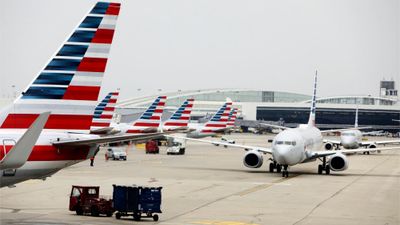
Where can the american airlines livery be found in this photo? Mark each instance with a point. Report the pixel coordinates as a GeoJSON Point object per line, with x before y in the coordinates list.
{"type": "Point", "coordinates": [68, 87]}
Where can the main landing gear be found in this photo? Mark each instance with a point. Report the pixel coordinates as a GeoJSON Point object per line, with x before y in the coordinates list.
{"type": "Point", "coordinates": [324, 167]}
{"type": "Point", "coordinates": [273, 165]}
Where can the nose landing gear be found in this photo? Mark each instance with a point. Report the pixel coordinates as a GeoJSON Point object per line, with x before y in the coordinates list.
{"type": "Point", "coordinates": [285, 172]}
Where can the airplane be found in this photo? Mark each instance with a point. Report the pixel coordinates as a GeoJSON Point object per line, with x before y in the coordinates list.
{"type": "Point", "coordinates": [217, 123]}
{"type": "Point", "coordinates": [148, 122]}
{"type": "Point", "coordinates": [352, 139]}
{"type": "Point", "coordinates": [181, 117]}
{"type": "Point", "coordinates": [68, 86]}
{"type": "Point", "coordinates": [14, 156]}
{"type": "Point", "coordinates": [294, 146]}
{"type": "Point", "coordinates": [103, 114]}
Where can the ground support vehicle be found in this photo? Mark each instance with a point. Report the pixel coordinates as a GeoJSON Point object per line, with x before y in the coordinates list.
{"type": "Point", "coordinates": [137, 201]}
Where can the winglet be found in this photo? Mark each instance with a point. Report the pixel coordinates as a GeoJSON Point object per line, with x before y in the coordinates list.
{"type": "Point", "coordinates": [19, 153]}
{"type": "Point", "coordinates": [311, 121]}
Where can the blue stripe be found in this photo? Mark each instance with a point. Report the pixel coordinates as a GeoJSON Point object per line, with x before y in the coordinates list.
{"type": "Point", "coordinates": [82, 36]}
{"type": "Point", "coordinates": [91, 22]}
{"type": "Point", "coordinates": [100, 8]}
{"type": "Point", "coordinates": [54, 78]}
{"type": "Point", "coordinates": [73, 50]}
{"type": "Point", "coordinates": [63, 64]}
{"type": "Point", "coordinates": [44, 93]}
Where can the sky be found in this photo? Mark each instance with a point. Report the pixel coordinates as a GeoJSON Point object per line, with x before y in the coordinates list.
{"type": "Point", "coordinates": [200, 44]}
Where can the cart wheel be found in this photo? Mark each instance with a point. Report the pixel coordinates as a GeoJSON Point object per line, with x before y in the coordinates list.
{"type": "Point", "coordinates": [118, 215]}
{"type": "Point", "coordinates": [94, 211]}
{"type": "Point", "coordinates": [79, 211]}
{"type": "Point", "coordinates": [136, 217]}
{"type": "Point", "coordinates": [155, 217]}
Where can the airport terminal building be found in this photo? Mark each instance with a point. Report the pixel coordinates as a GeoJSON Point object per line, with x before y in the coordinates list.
{"type": "Point", "coordinates": [288, 108]}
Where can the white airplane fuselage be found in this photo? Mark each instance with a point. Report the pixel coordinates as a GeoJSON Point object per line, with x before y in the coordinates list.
{"type": "Point", "coordinates": [45, 158]}
{"type": "Point", "coordinates": [290, 146]}
{"type": "Point", "coordinates": [351, 139]}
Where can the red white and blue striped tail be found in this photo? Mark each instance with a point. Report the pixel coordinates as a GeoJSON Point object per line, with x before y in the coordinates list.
{"type": "Point", "coordinates": [181, 116]}
{"type": "Point", "coordinates": [69, 84]}
{"type": "Point", "coordinates": [219, 120]}
{"type": "Point", "coordinates": [232, 118]}
{"type": "Point", "coordinates": [150, 120]}
{"type": "Point", "coordinates": [104, 112]}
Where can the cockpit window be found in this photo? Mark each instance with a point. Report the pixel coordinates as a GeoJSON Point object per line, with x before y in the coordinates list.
{"type": "Point", "coordinates": [286, 143]}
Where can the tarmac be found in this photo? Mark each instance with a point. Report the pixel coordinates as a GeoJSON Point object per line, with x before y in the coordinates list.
{"type": "Point", "coordinates": [209, 185]}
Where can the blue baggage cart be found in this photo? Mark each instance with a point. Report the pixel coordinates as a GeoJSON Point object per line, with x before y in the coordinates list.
{"type": "Point", "coordinates": [137, 201]}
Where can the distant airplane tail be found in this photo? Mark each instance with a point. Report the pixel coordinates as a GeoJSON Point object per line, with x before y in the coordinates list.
{"type": "Point", "coordinates": [69, 85]}
{"type": "Point", "coordinates": [219, 120]}
{"type": "Point", "coordinates": [311, 120]}
{"type": "Point", "coordinates": [356, 120]}
{"type": "Point", "coordinates": [232, 118]}
{"type": "Point", "coordinates": [181, 116]}
{"type": "Point", "coordinates": [150, 120]}
{"type": "Point", "coordinates": [104, 112]}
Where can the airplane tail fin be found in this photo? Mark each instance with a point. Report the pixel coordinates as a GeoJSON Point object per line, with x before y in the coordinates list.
{"type": "Point", "coordinates": [104, 112]}
{"type": "Point", "coordinates": [151, 118]}
{"type": "Point", "coordinates": [232, 118]}
{"type": "Point", "coordinates": [181, 116]}
{"type": "Point", "coordinates": [356, 120]}
{"type": "Point", "coordinates": [219, 120]}
{"type": "Point", "coordinates": [69, 84]}
{"type": "Point", "coordinates": [311, 120]}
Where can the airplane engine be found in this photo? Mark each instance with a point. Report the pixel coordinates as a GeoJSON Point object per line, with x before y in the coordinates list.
{"type": "Point", "coordinates": [371, 146]}
{"type": "Point", "coordinates": [253, 159]}
{"type": "Point", "coordinates": [328, 146]}
{"type": "Point", "coordinates": [338, 162]}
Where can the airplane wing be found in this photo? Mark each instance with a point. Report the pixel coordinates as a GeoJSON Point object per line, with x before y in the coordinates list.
{"type": "Point", "coordinates": [103, 130]}
{"type": "Point", "coordinates": [275, 126]}
{"type": "Point", "coordinates": [318, 154]}
{"type": "Point", "coordinates": [20, 152]}
{"type": "Point", "coordinates": [245, 147]}
{"type": "Point", "coordinates": [108, 139]}
{"type": "Point", "coordinates": [344, 129]}
{"type": "Point", "coordinates": [367, 143]}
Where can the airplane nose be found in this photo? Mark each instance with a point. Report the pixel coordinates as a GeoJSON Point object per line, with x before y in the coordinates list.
{"type": "Point", "coordinates": [282, 155]}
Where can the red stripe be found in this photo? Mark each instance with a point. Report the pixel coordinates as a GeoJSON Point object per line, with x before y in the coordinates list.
{"type": "Point", "coordinates": [133, 131]}
{"type": "Point", "coordinates": [92, 64]}
{"type": "Point", "coordinates": [162, 97]}
{"type": "Point", "coordinates": [158, 111]}
{"type": "Point", "coordinates": [113, 9]}
{"type": "Point", "coordinates": [51, 153]}
{"type": "Point", "coordinates": [72, 122]}
{"type": "Point", "coordinates": [144, 124]}
{"type": "Point", "coordinates": [99, 124]}
{"type": "Point", "coordinates": [186, 112]}
{"type": "Point", "coordinates": [175, 124]}
{"type": "Point", "coordinates": [102, 116]}
{"type": "Point", "coordinates": [115, 93]}
{"type": "Point", "coordinates": [109, 108]}
{"type": "Point", "coordinates": [189, 106]}
{"type": "Point", "coordinates": [112, 100]}
{"type": "Point", "coordinates": [161, 104]}
{"type": "Point", "coordinates": [89, 93]}
{"type": "Point", "coordinates": [103, 36]}
{"type": "Point", "coordinates": [215, 125]}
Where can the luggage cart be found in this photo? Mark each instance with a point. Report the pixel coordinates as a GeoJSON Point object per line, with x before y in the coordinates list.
{"type": "Point", "coordinates": [139, 202]}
